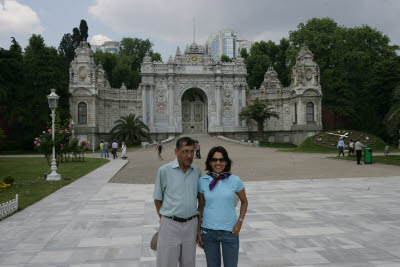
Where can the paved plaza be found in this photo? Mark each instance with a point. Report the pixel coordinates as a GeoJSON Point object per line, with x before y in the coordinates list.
{"type": "Point", "coordinates": [350, 218]}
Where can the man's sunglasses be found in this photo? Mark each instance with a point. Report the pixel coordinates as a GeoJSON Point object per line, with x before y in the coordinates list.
{"type": "Point", "coordinates": [222, 160]}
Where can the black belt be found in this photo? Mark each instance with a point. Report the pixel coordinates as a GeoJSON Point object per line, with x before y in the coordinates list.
{"type": "Point", "coordinates": [181, 219]}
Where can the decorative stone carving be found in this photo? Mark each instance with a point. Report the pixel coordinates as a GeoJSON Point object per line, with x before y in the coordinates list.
{"type": "Point", "coordinates": [162, 97]}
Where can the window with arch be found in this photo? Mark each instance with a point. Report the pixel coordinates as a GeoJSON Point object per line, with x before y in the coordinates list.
{"type": "Point", "coordinates": [310, 112]}
{"type": "Point", "coordinates": [82, 113]}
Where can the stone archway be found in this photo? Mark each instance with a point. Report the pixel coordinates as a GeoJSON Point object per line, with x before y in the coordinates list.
{"type": "Point", "coordinates": [194, 111]}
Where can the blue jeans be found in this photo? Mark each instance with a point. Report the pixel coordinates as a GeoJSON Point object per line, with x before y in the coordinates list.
{"type": "Point", "coordinates": [212, 241]}
{"type": "Point", "coordinates": [101, 153]}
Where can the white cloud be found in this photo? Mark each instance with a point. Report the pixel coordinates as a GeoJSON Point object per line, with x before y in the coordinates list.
{"type": "Point", "coordinates": [99, 39]}
{"type": "Point", "coordinates": [18, 18]}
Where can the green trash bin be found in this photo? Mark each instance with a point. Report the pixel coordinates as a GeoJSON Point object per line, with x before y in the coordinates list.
{"type": "Point", "coordinates": [367, 155]}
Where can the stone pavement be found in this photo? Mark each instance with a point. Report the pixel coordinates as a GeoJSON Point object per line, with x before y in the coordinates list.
{"type": "Point", "coordinates": [303, 222]}
{"type": "Point", "coordinates": [253, 164]}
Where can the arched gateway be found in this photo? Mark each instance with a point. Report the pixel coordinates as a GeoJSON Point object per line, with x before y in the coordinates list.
{"type": "Point", "coordinates": [192, 93]}
{"type": "Point", "coordinates": [194, 111]}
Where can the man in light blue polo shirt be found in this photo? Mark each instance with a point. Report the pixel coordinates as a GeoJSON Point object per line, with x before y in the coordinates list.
{"type": "Point", "coordinates": [175, 198]}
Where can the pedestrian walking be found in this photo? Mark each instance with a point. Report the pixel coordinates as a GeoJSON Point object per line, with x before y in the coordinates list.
{"type": "Point", "coordinates": [197, 148]}
{"type": "Point", "coordinates": [123, 147]}
{"type": "Point", "coordinates": [114, 146]}
{"type": "Point", "coordinates": [106, 146]}
{"type": "Point", "coordinates": [175, 199]}
{"type": "Point", "coordinates": [101, 149]}
{"type": "Point", "coordinates": [159, 149]}
{"type": "Point", "coordinates": [358, 147]}
{"type": "Point", "coordinates": [340, 146]}
{"type": "Point", "coordinates": [219, 224]}
{"type": "Point", "coordinates": [351, 148]}
{"type": "Point", "coordinates": [386, 151]}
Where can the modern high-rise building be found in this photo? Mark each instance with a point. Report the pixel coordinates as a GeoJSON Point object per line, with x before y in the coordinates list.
{"type": "Point", "coordinates": [222, 43]}
{"type": "Point", "coordinates": [244, 44]}
{"type": "Point", "coordinates": [109, 47]}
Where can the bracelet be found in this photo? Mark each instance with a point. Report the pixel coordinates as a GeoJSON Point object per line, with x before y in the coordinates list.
{"type": "Point", "coordinates": [240, 219]}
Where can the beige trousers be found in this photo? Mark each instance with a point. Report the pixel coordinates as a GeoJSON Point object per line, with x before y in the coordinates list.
{"type": "Point", "coordinates": [176, 243]}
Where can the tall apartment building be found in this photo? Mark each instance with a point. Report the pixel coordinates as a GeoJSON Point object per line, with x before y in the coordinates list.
{"type": "Point", "coordinates": [244, 44]}
{"type": "Point", "coordinates": [109, 47]}
{"type": "Point", "coordinates": [222, 43]}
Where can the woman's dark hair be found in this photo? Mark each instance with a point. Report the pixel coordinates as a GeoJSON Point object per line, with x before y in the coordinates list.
{"type": "Point", "coordinates": [224, 153]}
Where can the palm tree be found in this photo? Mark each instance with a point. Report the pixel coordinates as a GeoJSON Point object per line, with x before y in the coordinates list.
{"type": "Point", "coordinates": [130, 129]}
{"type": "Point", "coordinates": [260, 112]}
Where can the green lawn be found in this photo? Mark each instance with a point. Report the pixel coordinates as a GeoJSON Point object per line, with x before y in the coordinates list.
{"type": "Point", "coordinates": [28, 174]}
{"type": "Point", "coordinates": [391, 160]}
{"type": "Point", "coordinates": [309, 147]}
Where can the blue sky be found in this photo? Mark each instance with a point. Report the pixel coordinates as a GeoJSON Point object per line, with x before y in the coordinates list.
{"type": "Point", "coordinates": [169, 23]}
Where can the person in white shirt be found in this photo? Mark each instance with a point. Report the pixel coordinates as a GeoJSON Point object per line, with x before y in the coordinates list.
{"type": "Point", "coordinates": [359, 146]}
{"type": "Point", "coordinates": [340, 146]}
{"type": "Point", "coordinates": [351, 147]}
{"type": "Point", "coordinates": [114, 146]}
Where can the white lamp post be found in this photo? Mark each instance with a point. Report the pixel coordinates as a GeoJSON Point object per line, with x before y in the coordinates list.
{"type": "Point", "coordinates": [53, 102]}
{"type": "Point", "coordinates": [72, 128]}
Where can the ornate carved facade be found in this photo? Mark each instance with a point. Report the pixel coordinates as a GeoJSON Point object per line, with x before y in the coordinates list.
{"type": "Point", "coordinates": [192, 93]}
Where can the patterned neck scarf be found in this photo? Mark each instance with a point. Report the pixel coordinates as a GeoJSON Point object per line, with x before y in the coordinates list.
{"type": "Point", "coordinates": [217, 177]}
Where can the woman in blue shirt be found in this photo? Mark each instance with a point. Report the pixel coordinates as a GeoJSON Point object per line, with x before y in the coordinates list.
{"type": "Point", "coordinates": [219, 222]}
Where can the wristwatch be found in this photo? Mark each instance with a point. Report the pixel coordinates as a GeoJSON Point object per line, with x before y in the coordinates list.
{"type": "Point", "coordinates": [240, 219]}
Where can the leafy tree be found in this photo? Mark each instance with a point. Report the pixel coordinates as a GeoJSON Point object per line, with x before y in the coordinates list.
{"type": "Point", "coordinates": [392, 118]}
{"type": "Point", "coordinates": [67, 48]}
{"type": "Point", "coordinates": [243, 53]}
{"type": "Point", "coordinates": [44, 70]}
{"type": "Point", "coordinates": [260, 112]}
{"type": "Point", "coordinates": [83, 30]}
{"type": "Point", "coordinates": [225, 58]}
{"type": "Point", "coordinates": [70, 42]}
{"type": "Point", "coordinates": [136, 46]}
{"type": "Point", "coordinates": [2, 137]}
{"type": "Point", "coordinates": [130, 129]}
{"type": "Point", "coordinates": [356, 72]}
{"type": "Point", "coordinates": [265, 54]}
{"type": "Point", "coordinates": [156, 57]}
{"type": "Point", "coordinates": [125, 66]}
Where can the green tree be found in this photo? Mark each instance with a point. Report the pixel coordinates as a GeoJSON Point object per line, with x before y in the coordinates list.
{"type": "Point", "coordinates": [260, 112]}
{"type": "Point", "coordinates": [355, 66]}
{"type": "Point", "coordinates": [83, 30]}
{"type": "Point", "coordinates": [225, 58]}
{"type": "Point", "coordinates": [265, 54]}
{"type": "Point", "coordinates": [44, 69]}
{"type": "Point", "coordinates": [392, 117]}
{"type": "Point", "coordinates": [136, 46]}
{"type": "Point", "coordinates": [125, 66]}
{"type": "Point", "coordinates": [70, 42]}
{"type": "Point", "coordinates": [108, 61]}
{"type": "Point", "coordinates": [67, 48]}
{"type": "Point", "coordinates": [243, 53]}
{"type": "Point", "coordinates": [130, 129]}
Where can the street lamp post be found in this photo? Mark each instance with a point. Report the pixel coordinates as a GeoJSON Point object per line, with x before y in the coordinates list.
{"type": "Point", "coordinates": [53, 102]}
{"type": "Point", "coordinates": [72, 128]}
{"type": "Point", "coordinates": [93, 129]}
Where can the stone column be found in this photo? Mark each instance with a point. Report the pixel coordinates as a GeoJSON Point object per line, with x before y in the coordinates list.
{"type": "Point", "coordinates": [236, 105]}
{"type": "Point", "coordinates": [171, 127]}
{"type": "Point", "coordinates": [152, 88]}
{"type": "Point", "coordinates": [144, 104]}
{"type": "Point", "coordinates": [243, 103]}
{"type": "Point", "coordinates": [218, 103]}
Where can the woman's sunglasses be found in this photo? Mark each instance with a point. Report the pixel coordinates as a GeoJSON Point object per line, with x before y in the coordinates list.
{"type": "Point", "coordinates": [222, 160]}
